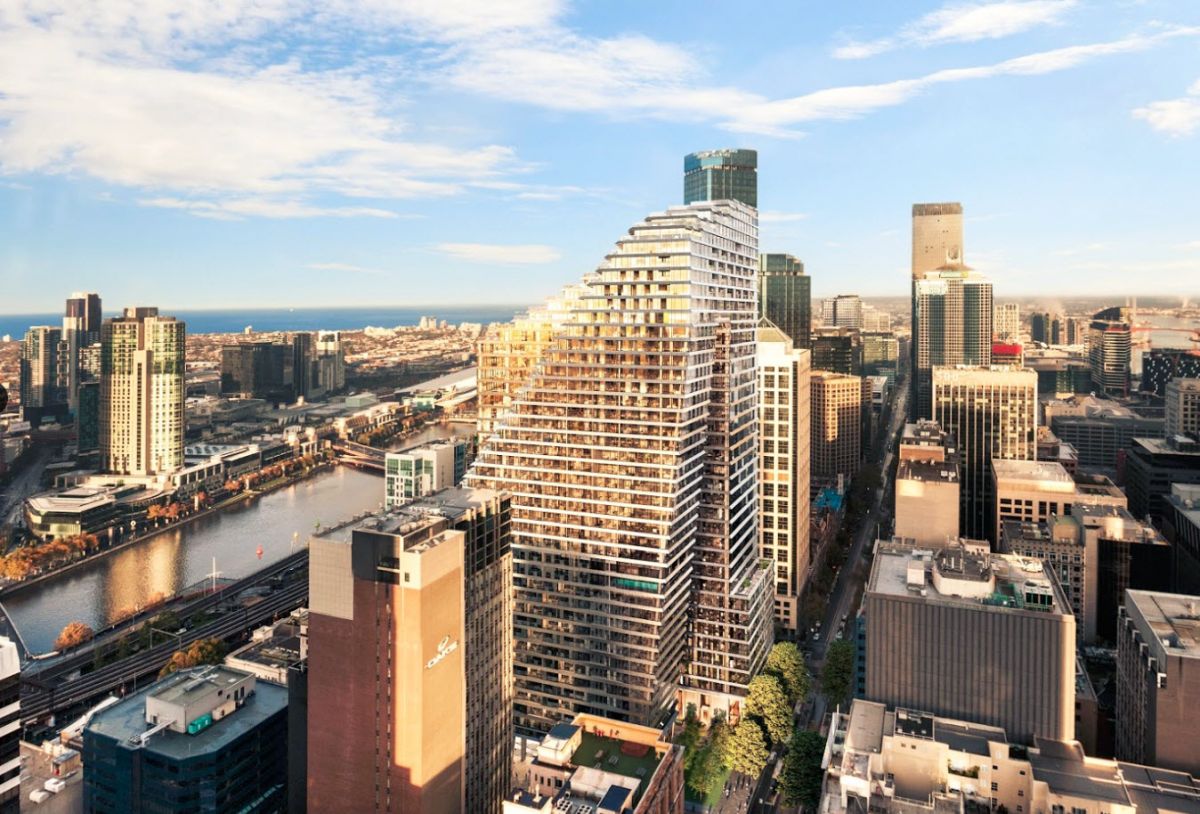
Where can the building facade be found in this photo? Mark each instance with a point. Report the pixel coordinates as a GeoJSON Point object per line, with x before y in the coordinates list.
{"type": "Point", "coordinates": [423, 470]}
{"type": "Point", "coordinates": [785, 296]}
{"type": "Point", "coordinates": [937, 236]}
{"type": "Point", "coordinates": [927, 485]}
{"type": "Point", "coordinates": [1158, 680]}
{"type": "Point", "coordinates": [142, 393]}
{"type": "Point", "coordinates": [1160, 365]}
{"type": "Point", "coordinates": [1006, 322]}
{"type": "Point", "coordinates": [721, 175]}
{"type": "Point", "coordinates": [10, 726]}
{"type": "Point", "coordinates": [838, 350]}
{"type": "Point", "coordinates": [1032, 491]}
{"type": "Point", "coordinates": [1110, 348]}
{"type": "Point", "coordinates": [837, 405]}
{"type": "Point", "coordinates": [1183, 407]}
{"type": "Point", "coordinates": [784, 461]}
{"type": "Point", "coordinates": [992, 414]}
{"type": "Point", "coordinates": [1153, 466]}
{"type": "Point", "coordinates": [415, 605]}
{"type": "Point", "coordinates": [843, 311]}
{"type": "Point", "coordinates": [952, 325]}
{"type": "Point", "coordinates": [631, 456]}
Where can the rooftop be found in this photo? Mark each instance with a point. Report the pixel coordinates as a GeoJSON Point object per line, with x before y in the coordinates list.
{"type": "Point", "coordinates": [1046, 474]}
{"type": "Point", "coordinates": [919, 470]}
{"type": "Point", "coordinates": [1174, 619]}
{"type": "Point", "coordinates": [418, 514]}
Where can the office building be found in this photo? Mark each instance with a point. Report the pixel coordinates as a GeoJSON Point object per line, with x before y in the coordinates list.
{"type": "Point", "coordinates": [1006, 322]}
{"type": "Point", "coordinates": [1060, 377]}
{"type": "Point", "coordinates": [785, 296]}
{"type": "Point", "coordinates": [1158, 680]}
{"type": "Point", "coordinates": [41, 395]}
{"type": "Point", "coordinates": [85, 306]}
{"type": "Point", "coordinates": [875, 320]}
{"type": "Point", "coordinates": [10, 726]}
{"type": "Point", "coordinates": [507, 353]}
{"type": "Point", "coordinates": [952, 325]}
{"type": "Point", "coordinates": [1160, 365]}
{"type": "Point", "coordinates": [880, 354]}
{"type": "Point", "coordinates": [1183, 407]}
{"type": "Point", "coordinates": [927, 486]}
{"type": "Point", "coordinates": [838, 350]}
{"type": "Point", "coordinates": [599, 765]}
{"type": "Point", "coordinates": [260, 370]}
{"type": "Point", "coordinates": [415, 604]}
{"type": "Point", "coordinates": [988, 638]}
{"type": "Point", "coordinates": [903, 761]}
{"type": "Point", "coordinates": [1100, 430]}
{"type": "Point", "coordinates": [1032, 491]}
{"type": "Point", "coordinates": [425, 469]}
{"type": "Point", "coordinates": [937, 236]}
{"type": "Point", "coordinates": [784, 462]}
{"type": "Point", "coordinates": [209, 739]}
{"type": "Point", "coordinates": [87, 417]}
{"type": "Point", "coordinates": [1153, 465]}
{"type": "Point", "coordinates": [843, 311]}
{"type": "Point", "coordinates": [1182, 527]}
{"type": "Point", "coordinates": [303, 354]}
{"type": "Point", "coordinates": [837, 404]}
{"type": "Point", "coordinates": [721, 175]}
{"type": "Point", "coordinates": [992, 414]}
{"type": "Point", "coordinates": [141, 393]}
{"type": "Point", "coordinates": [329, 363]}
{"type": "Point", "coordinates": [631, 456]}
{"type": "Point", "coordinates": [1110, 347]}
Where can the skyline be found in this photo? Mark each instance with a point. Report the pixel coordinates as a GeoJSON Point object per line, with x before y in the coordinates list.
{"type": "Point", "coordinates": [454, 147]}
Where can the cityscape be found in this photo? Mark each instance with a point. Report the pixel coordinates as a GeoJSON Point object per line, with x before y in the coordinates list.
{"type": "Point", "coordinates": [711, 523]}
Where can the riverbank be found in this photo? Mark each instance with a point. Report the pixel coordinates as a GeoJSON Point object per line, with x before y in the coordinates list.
{"type": "Point", "coordinates": [15, 588]}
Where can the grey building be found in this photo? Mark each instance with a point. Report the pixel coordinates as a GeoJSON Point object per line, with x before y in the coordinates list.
{"type": "Point", "coordinates": [1110, 344]}
{"type": "Point", "coordinates": [960, 632]}
{"type": "Point", "coordinates": [785, 296]}
{"type": "Point", "coordinates": [952, 325]}
{"type": "Point", "coordinates": [721, 175]}
{"type": "Point", "coordinates": [1158, 680]}
{"type": "Point", "coordinates": [838, 350]}
{"type": "Point", "coordinates": [1183, 528]}
{"type": "Point", "coordinates": [1152, 465]}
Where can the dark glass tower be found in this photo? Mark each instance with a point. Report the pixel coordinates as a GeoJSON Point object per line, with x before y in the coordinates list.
{"type": "Point", "coordinates": [785, 296]}
{"type": "Point", "coordinates": [720, 175]}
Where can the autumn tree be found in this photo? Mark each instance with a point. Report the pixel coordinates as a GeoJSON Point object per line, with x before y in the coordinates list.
{"type": "Point", "coordinates": [747, 749]}
{"type": "Point", "coordinates": [73, 635]}
{"type": "Point", "coordinates": [201, 651]}
{"type": "Point", "coordinates": [785, 662]}
{"type": "Point", "coordinates": [768, 703]}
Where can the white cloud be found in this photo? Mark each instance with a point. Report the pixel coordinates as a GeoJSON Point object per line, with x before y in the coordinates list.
{"type": "Point", "coordinates": [781, 217]}
{"type": "Point", "coordinates": [969, 22]}
{"type": "Point", "coordinates": [236, 209]}
{"type": "Point", "coordinates": [1175, 117]}
{"type": "Point", "coordinates": [499, 253]}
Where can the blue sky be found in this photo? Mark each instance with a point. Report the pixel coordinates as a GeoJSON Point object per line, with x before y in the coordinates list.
{"type": "Point", "coordinates": [243, 153]}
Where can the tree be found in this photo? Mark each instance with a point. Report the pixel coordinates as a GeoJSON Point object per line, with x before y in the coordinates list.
{"type": "Point", "coordinates": [201, 651]}
{"type": "Point", "coordinates": [839, 670]}
{"type": "Point", "coordinates": [787, 664]}
{"type": "Point", "coordinates": [800, 778]}
{"type": "Point", "coordinates": [73, 635]}
{"type": "Point", "coordinates": [768, 702]}
{"type": "Point", "coordinates": [747, 748]}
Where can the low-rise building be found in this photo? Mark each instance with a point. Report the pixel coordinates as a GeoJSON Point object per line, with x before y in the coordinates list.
{"type": "Point", "coordinates": [596, 765]}
{"type": "Point", "coordinates": [1032, 491]}
{"type": "Point", "coordinates": [927, 484]}
{"type": "Point", "coordinates": [423, 470]}
{"type": "Point", "coordinates": [273, 649]}
{"type": "Point", "coordinates": [1153, 465]}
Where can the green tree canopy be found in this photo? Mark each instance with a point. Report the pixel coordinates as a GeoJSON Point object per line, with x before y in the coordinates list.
{"type": "Point", "coordinates": [747, 748]}
{"type": "Point", "coordinates": [768, 702]}
{"type": "Point", "coordinates": [800, 778]}
{"type": "Point", "coordinates": [838, 672]}
{"type": "Point", "coordinates": [787, 664]}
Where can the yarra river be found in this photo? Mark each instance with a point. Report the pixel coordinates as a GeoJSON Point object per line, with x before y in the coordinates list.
{"type": "Point", "coordinates": [101, 590]}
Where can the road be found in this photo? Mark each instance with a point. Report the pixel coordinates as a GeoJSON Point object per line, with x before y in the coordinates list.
{"type": "Point", "coordinates": [24, 483]}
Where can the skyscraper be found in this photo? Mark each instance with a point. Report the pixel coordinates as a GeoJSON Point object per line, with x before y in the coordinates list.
{"type": "Point", "coordinates": [39, 383]}
{"type": "Point", "coordinates": [721, 175]}
{"type": "Point", "coordinates": [1110, 346]}
{"type": "Point", "coordinates": [837, 404]}
{"type": "Point", "coordinates": [785, 296]}
{"type": "Point", "coordinates": [630, 453]}
{"type": "Point", "coordinates": [937, 236]}
{"type": "Point", "coordinates": [10, 725]}
{"type": "Point", "coordinates": [992, 413]}
{"type": "Point", "coordinates": [1006, 322]}
{"type": "Point", "coordinates": [142, 393]}
{"type": "Point", "coordinates": [952, 325]}
{"type": "Point", "coordinates": [784, 466]}
{"type": "Point", "coordinates": [85, 307]}
{"type": "Point", "coordinates": [843, 311]}
{"type": "Point", "coordinates": [410, 643]}
{"type": "Point", "coordinates": [1183, 407]}
{"type": "Point", "coordinates": [80, 330]}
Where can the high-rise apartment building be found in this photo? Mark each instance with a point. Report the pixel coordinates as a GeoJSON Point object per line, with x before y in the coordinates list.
{"type": "Point", "coordinates": [631, 456]}
{"type": "Point", "coordinates": [10, 726]}
{"type": "Point", "coordinates": [1183, 407]}
{"type": "Point", "coordinates": [330, 362]}
{"type": "Point", "coordinates": [988, 638]}
{"type": "Point", "coordinates": [40, 392]}
{"type": "Point", "coordinates": [837, 405]}
{"type": "Point", "coordinates": [419, 471]}
{"type": "Point", "coordinates": [721, 175]}
{"type": "Point", "coordinates": [142, 393]}
{"type": "Point", "coordinates": [843, 311]}
{"type": "Point", "coordinates": [1006, 322]}
{"type": "Point", "coordinates": [992, 414]}
{"type": "Point", "coordinates": [937, 236]}
{"type": "Point", "coordinates": [410, 659]}
{"type": "Point", "coordinates": [952, 325]}
{"type": "Point", "coordinates": [927, 486]}
{"type": "Point", "coordinates": [80, 330]}
{"type": "Point", "coordinates": [1158, 680]}
{"type": "Point", "coordinates": [1110, 347]}
{"type": "Point", "coordinates": [785, 296]}
{"type": "Point", "coordinates": [85, 307]}
{"type": "Point", "coordinates": [784, 462]}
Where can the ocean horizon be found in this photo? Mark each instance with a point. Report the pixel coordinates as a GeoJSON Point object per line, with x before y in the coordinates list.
{"type": "Point", "coordinates": [294, 319]}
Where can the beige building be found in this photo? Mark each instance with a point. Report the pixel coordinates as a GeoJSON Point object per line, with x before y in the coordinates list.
{"type": "Point", "coordinates": [989, 638]}
{"type": "Point", "coordinates": [595, 765]}
{"type": "Point", "coordinates": [837, 405]}
{"type": "Point", "coordinates": [142, 393]}
{"type": "Point", "coordinates": [784, 459]}
{"type": "Point", "coordinates": [1032, 491]}
{"type": "Point", "coordinates": [1183, 407]}
{"type": "Point", "coordinates": [927, 485]}
{"type": "Point", "coordinates": [903, 761]}
{"type": "Point", "coordinates": [992, 414]}
{"type": "Point", "coordinates": [937, 236]}
{"type": "Point", "coordinates": [1158, 680]}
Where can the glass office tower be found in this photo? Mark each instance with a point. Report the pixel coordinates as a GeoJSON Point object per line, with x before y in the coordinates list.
{"type": "Point", "coordinates": [721, 175]}
{"type": "Point", "coordinates": [785, 296]}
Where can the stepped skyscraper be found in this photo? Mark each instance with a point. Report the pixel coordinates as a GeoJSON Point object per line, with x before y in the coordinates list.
{"type": "Point", "coordinates": [630, 454]}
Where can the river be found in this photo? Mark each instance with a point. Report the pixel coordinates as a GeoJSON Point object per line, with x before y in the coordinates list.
{"type": "Point", "coordinates": [99, 591]}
